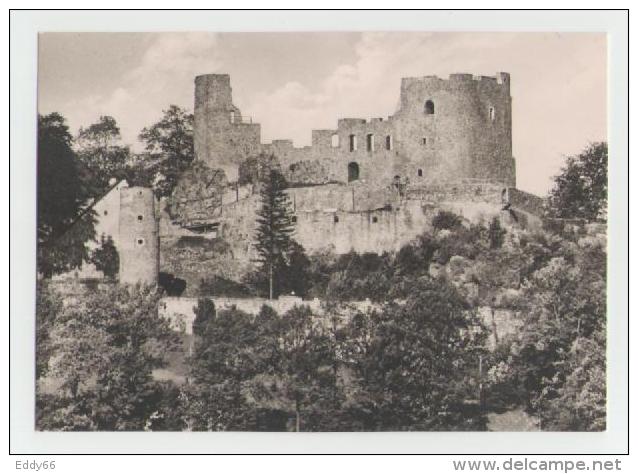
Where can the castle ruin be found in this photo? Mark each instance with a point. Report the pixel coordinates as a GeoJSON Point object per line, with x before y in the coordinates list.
{"type": "Point", "coordinates": [443, 131]}
{"type": "Point", "coordinates": [368, 185]}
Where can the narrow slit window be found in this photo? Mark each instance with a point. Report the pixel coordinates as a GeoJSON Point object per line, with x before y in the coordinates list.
{"type": "Point", "coordinates": [492, 113]}
{"type": "Point", "coordinates": [424, 141]}
{"type": "Point", "coordinates": [388, 142]}
{"type": "Point", "coordinates": [419, 172]}
{"type": "Point", "coordinates": [370, 142]}
{"type": "Point", "coordinates": [353, 142]}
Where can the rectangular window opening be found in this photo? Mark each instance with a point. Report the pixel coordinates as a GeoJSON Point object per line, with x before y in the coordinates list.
{"type": "Point", "coordinates": [353, 142]}
{"type": "Point", "coordinates": [370, 142]}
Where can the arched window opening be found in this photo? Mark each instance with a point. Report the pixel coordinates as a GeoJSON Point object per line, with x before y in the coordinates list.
{"type": "Point", "coordinates": [429, 107]}
{"type": "Point", "coordinates": [353, 142]}
{"type": "Point", "coordinates": [492, 113]}
{"type": "Point", "coordinates": [335, 141]}
{"type": "Point", "coordinates": [375, 219]}
{"type": "Point", "coordinates": [388, 142]}
{"type": "Point", "coordinates": [370, 142]}
{"type": "Point", "coordinates": [424, 141]}
{"type": "Point", "coordinates": [336, 219]}
{"type": "Point", "coordinates": [353, 172]}
{"type": "Point", "coordinates": [420, 173]}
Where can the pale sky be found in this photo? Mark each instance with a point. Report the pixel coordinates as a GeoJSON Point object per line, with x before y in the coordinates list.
{"type": "Point", "coordinates": [294, 82]}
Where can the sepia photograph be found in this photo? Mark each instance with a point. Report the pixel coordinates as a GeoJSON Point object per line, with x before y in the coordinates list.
{"type": "Point", "coordinates": [321, 231]}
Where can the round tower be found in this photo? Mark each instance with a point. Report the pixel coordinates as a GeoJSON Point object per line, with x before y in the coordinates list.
{"type": "Point", "coordinates": [456, 128]}
{"type": "Point", "coordinates": [139, 236]}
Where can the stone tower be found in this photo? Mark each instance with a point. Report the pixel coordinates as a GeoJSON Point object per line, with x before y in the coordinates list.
{"type": "Point", "coordinates": [459, 128]}
{"type": "Point", "coordinates": [223, 138]}
{"type": "Point", "coordinates": [139, 236]}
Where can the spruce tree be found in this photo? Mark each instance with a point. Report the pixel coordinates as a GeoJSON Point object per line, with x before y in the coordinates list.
{"type": "Point", "coordinates": [274, 227]}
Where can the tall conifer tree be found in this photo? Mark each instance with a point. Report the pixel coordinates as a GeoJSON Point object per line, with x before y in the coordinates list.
{"type": "Point", "coordinates": [274, 227]}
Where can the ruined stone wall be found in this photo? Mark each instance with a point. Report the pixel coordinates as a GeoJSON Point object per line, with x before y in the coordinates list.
{"type": "Point", "coordinates": [337, 197]}
{"type": "Point", "coordinates": [526, 201]}
{"type": "Point", "coordinates": [376, 231]}
{"type": "Point", "coordinates": [347, 217]}
{"type": "Point", "coordinates": [465, 134]}
{"type": "Point", "coordinates": [223, 138]}
{"type": "Point", "coordinates": [179, 310]}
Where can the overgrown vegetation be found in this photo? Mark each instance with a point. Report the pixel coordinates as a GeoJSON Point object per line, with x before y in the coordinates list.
{"type": "Point", "coordinates": [106, 258]}
{"type": "Point", "coordinates": [580, 190]}
{"type": "Point", "coordinates": [418, 361]}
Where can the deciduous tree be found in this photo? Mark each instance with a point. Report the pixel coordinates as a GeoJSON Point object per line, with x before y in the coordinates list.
{"type": "Point", "coordinates": [64, 223]}
{"type": "Point", "coordinates": [102, 154]}
{"type": "Point", "coordinates": [105, 349]}
{"type": "Point", "coordinates": [170, 150]}
{"type": "Point", "coordinates": [419, 361]}
{"type": "Point", "coordinates": [106, 258]}
{"type": "Point", "coordinates": [580, 190]}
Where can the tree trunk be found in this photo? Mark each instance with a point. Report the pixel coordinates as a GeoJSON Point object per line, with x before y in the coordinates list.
{"type": "Point", "coordinates": [297, 417]}
{"type": "Point", "coordinates": [270, 271]}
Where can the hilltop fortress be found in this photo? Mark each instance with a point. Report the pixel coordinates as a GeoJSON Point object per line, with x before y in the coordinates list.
{"type": "Point", "coordinates": [368, 185]}
{"type": "Point", "coordinates": [443, 131]}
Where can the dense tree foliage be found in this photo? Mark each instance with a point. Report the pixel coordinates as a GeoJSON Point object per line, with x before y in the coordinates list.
{"type": "Point", "coordinates": [559, 356]}
{"type": "Point", "coordinates": [419, 365]}
{"type": "Point", "coordinates": [223, 360]}
{"type": "Point", "coordinates": [297, 376]}
{"type": "Point", "coordinates": [445, 220]}
{"type": "Point", "coordinates": [64, 223]}
{"type": "Point", "coordinates": [102, 154]}
{"type": "Point", "coordinates": [418, 361]}
{"type": "Point", "coordinates": [47, 308]}
{"type": "Point", "coordinates": [169, 151]}
{"type": "Point", "coordinates": [104, 351]}
{"type": "Point", "coordinates": [580, 190]}
{"type": "Point", "coordinates": [106, 258]}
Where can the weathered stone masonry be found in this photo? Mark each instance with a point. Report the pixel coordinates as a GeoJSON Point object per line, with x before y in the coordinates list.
{"type": "Point", "coordinates": [443, 131]}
